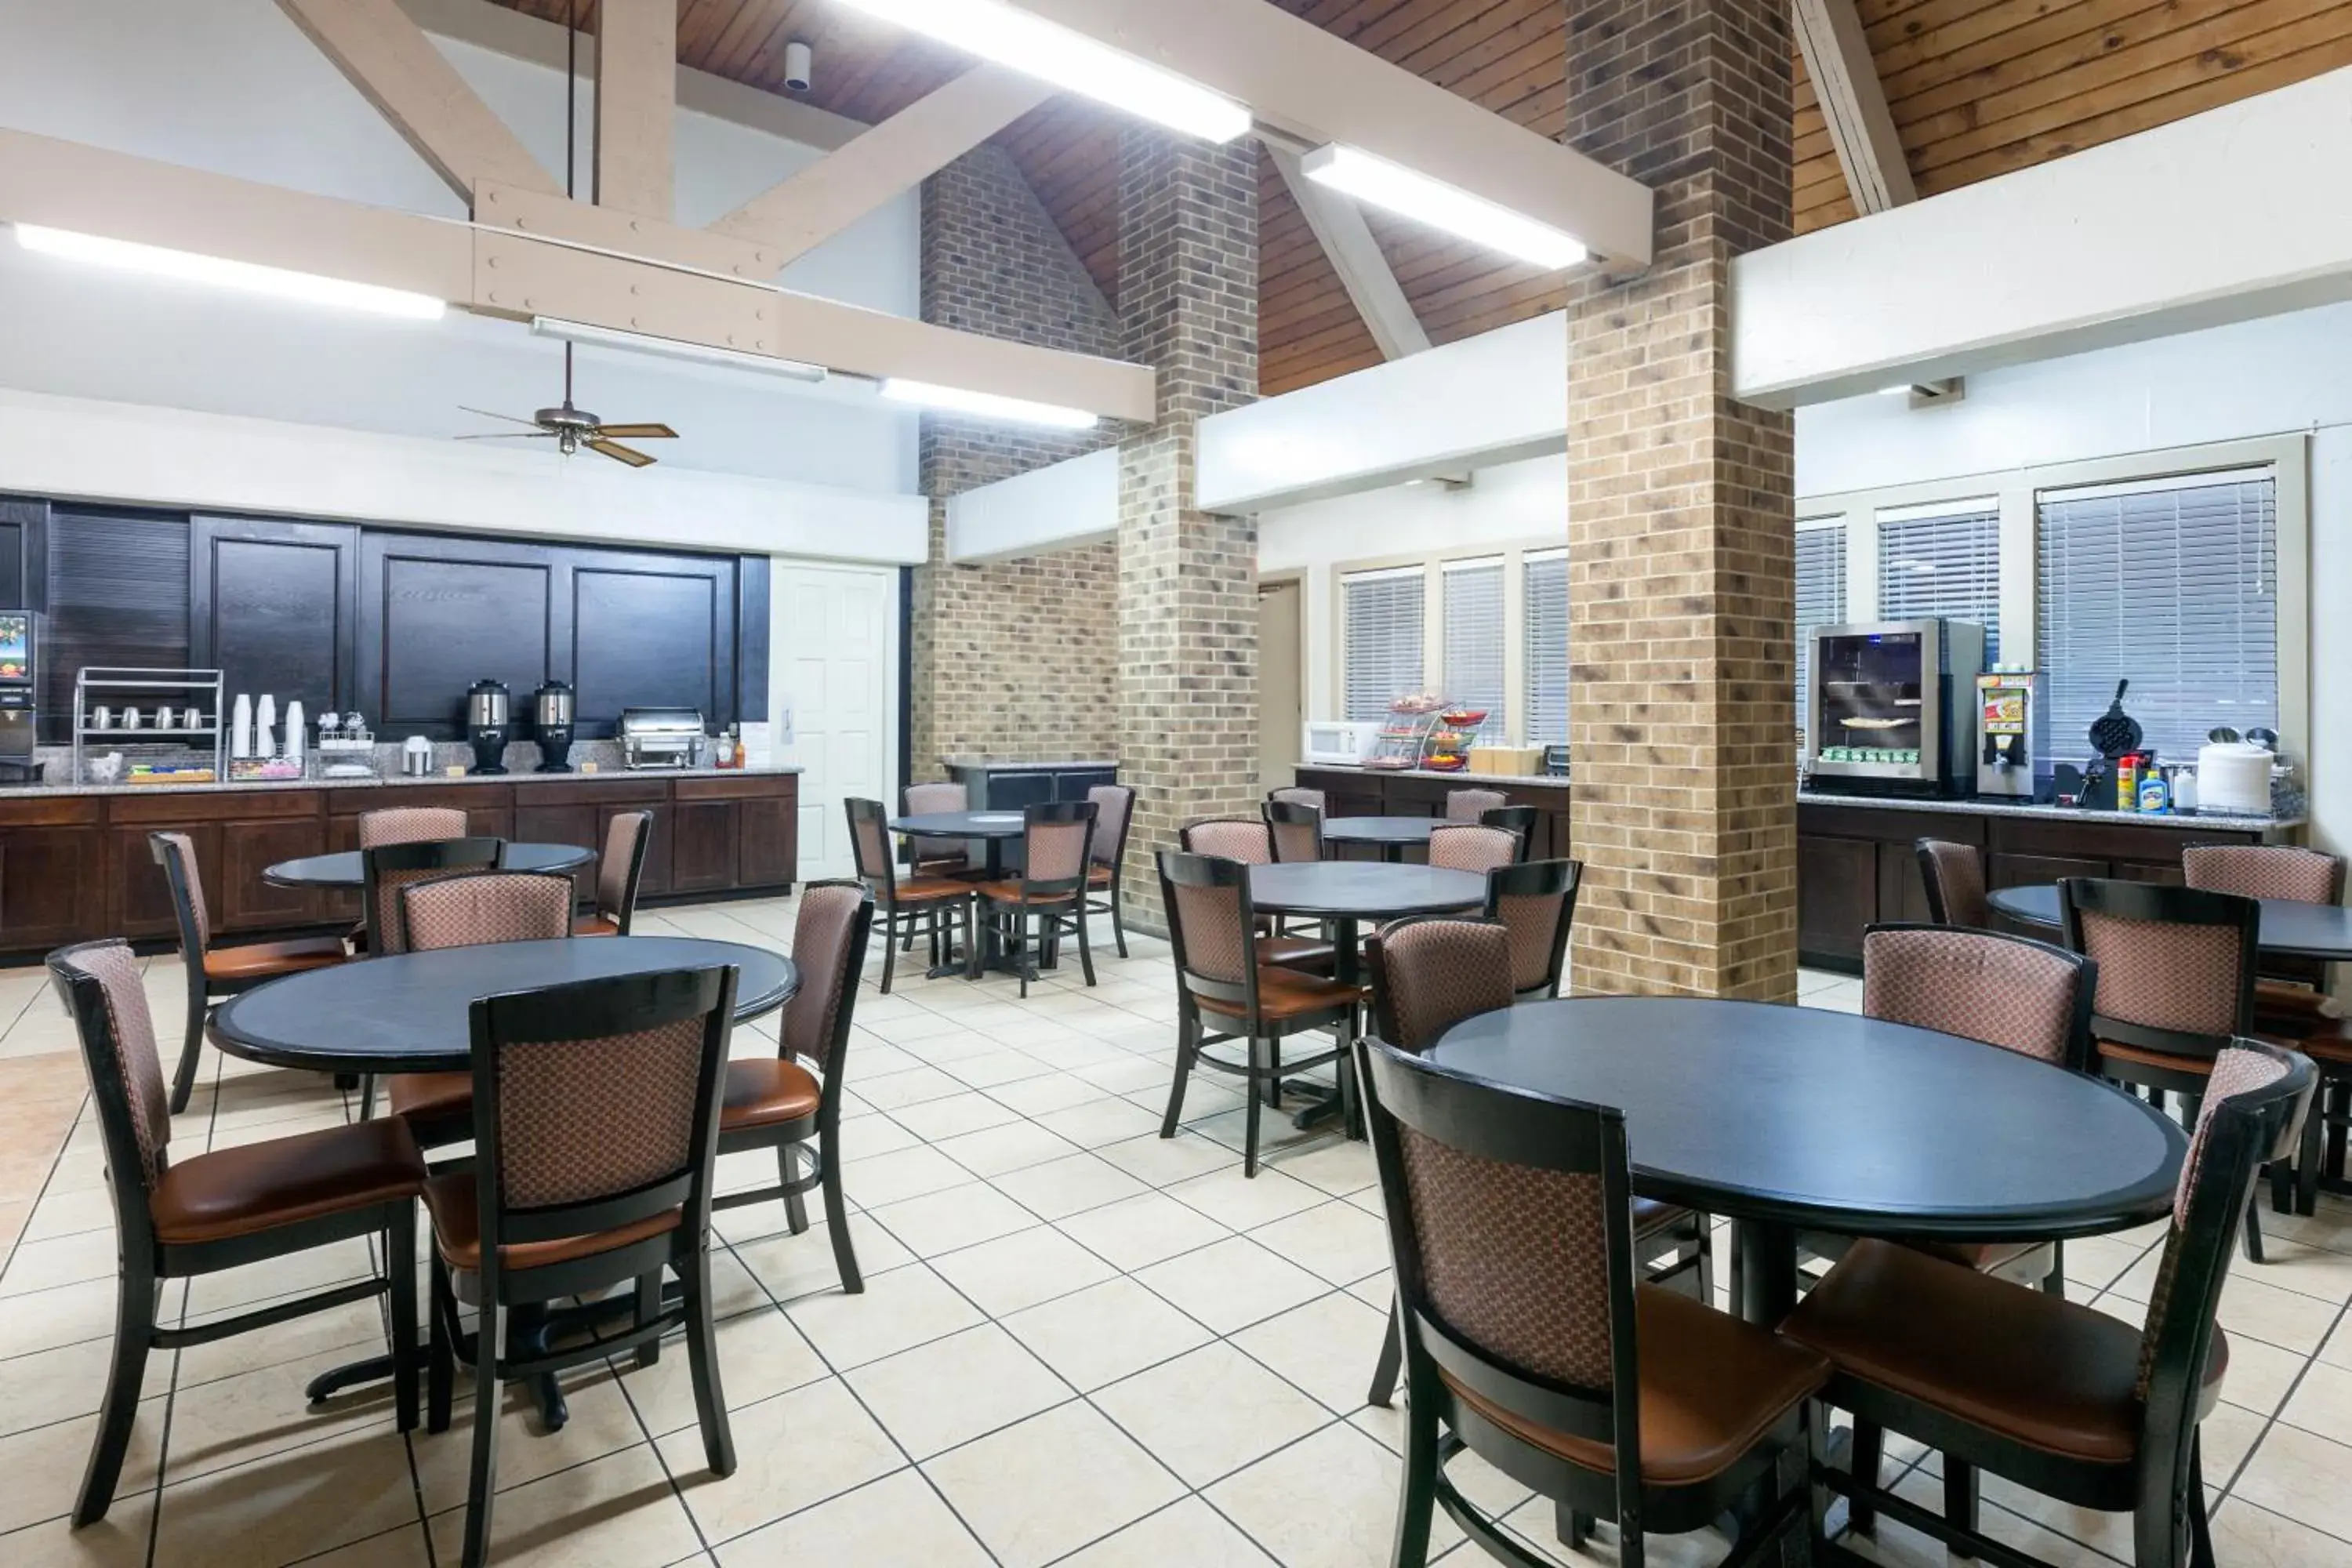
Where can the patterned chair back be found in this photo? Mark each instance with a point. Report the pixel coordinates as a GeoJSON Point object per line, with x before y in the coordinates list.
{"type": "Point", "coordinates": [1114, 811]}
{"type": "Point", "coordinates": [1470, 805]}
{"type": "Point", "coordinates": [1429, 975]}
{"type": "Point", "coordinates": [2281, 872]}
{"type": "Point", "coordinates": [410, 825]}
{"type": "Point", "coordinates": [1295, 829]}
{"type": "Point", "coordinates": [475, 909]}
{"type": "Point", "coordinates": [937, 856]}
{"type": "Point", "coordinates": [2022, 995]}
{"type": "Point", "coordinates": [1296, 795]}
{"type": "Point", "coordinates": [1536, 902]}
{"type": "Point", "coordinates": [177, 853]}
{"type": "Point", "coordinates": [622, 866]}
{"type": "Point", "coordinates": [829, 945]}
{"type": "Point", "coordinates": [1472, 847]}
{"type": "Point", "coordinates": [1519, 819]}
{"type": "Point", "coordinates": [387, 869]}
{"type": "Point", "coordinates": [99, 983]}
{"type": "Point", "coordinates": [2176, 965]}
{"type": "Point", "coordinates": [929, 799]}
{"type": "Point", "coordinates": [1954, 875]}
{"type": "Point", "coordinates": [1056, 839]}
{"type": "Point", "coordinates": [869, 843]}
{"type": "Point", "coordinates": [1242, 838]}
{"type": "Point", "coordinates": [1210, 926]}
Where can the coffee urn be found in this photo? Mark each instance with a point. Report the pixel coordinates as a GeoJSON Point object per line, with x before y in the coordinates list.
{"type": "Point", "coordinates": [488, 724]}
{"type": "Point", "coordinates": [550, 722]}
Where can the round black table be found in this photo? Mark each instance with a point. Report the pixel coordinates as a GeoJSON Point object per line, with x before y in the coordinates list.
{"type": "Point", "coordinates": [1390, 835]}
{"type": "Point", "coordinates": [2289, 929]}
{"type": "Point", "coordinates": [343, 868]}
{"type": "Point", "coordinates": [410, 1012]}
{"type": "Point", "coordinates": [1785, 1118]}
{"type": "Point", "coordinates": [994, 829]}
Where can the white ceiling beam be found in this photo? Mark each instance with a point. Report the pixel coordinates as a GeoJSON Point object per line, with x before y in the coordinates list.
{"type": "Point", "coordinates": [795, 216]}
{"type": "Point", "coordinates": [1317, 88]}
{"type": "Point", "coordinates": [395, 68]}
{"type": "Point", "coordinates": [636, 105]}
{"type": "Point", "coordinates": [1347, 240]}
{"type": "Point", "coordinates": [1854, 102]}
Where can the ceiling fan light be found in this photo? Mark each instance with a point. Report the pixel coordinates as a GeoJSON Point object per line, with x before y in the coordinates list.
{"type": "Point", "coordinates": [987, 404]}
{"type": "Point", "coordinates": [1410, 194]}
{"type": "Point", "coordinates": [246, 277]}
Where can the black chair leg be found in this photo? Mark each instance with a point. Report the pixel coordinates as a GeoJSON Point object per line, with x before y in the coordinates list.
{"type": "Point", "coordinates": [2201, 1528]}
{"type": "Point", "coordinates": [1959, 1500]}
{"type": "Point", "coordinates": [482, 1476]}
{"type": "Point", "coordinates": [702, 1358]}
{"type": "Point", "coordinates": [1416, 1504]}
{"type": "Point", "coordinates": [1186, 1047]}
{"type": "Point", "coordinates": [650, 1307]}
{"type": "Point", "coordinates": [2253, 1228]}
{"type": "Point", "coordinates": [836, 1221]}
{"type": "Point", "coordinates": [1869, 1446]}
{"type": "Point", "coordinates": [1385, 1371]}
{"type": "Point", "coordinates": [134, 1333]}
{"type": "Point", "coordinates": [1573, 1526]}
{"type": "Point", "coordinates": [1086, 950]}
{"type": "Point", "coordinates": [192, 1049]}
{"type": "Point", "coordinates": [891, 949]}
{"type": "Point", "coordinates": [440, 1351]}
{"type": "Point", "coordinates": [1118, 921]}
{"type": "Point", "coordinates": [400, 1269]}
{"type": "Point", "coordinates": [795, 1206]}
{"type": "Point", "coordinates": [367, 1097]}
{"type": "Point", "coordinates": [1250, 1118]}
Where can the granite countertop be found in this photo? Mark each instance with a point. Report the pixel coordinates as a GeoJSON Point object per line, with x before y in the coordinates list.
{"type": "Point", "coordinates": [1466, 780]}
{"type": "Point", "coordinates": [2185, 822]}
{"type": "Point", "coordinates": [25, 792]}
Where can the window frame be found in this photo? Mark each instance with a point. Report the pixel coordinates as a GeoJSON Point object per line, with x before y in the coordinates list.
{"type": "Point", "coordinates": [1512, 555]}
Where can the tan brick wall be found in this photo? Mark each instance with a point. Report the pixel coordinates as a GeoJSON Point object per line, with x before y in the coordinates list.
{"type": "Point", "coordinates": [1681, 521]}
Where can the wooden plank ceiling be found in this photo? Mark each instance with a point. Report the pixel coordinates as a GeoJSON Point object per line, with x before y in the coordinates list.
{"type": "Point", "coordinates": [1977, 87]}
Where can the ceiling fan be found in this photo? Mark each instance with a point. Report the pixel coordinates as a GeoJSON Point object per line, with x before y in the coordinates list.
{"type": "Point", "coordinates": [569, 428]}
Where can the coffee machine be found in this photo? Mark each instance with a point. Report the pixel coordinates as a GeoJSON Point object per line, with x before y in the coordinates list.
{"type": "Point", "coordinates": [551, 722]}
{"type": "Point", "coordinates": [20, 647]}
{"type": "Point", "coordinates": [489, 724]}
{"type": "Point", "coordinates": [2012, 732]}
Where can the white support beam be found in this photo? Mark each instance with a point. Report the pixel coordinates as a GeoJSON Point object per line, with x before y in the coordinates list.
{"type": "Point", "coordinates": [1854, 102]}
{"type": "Point", "coordinates": [416, 90]}
{"type": "Point", "coordinates": [1317, 88]}
{"type": "Point", "coordinates": [636, 105]}
{"type": "Point", "coordinates": [1347, 240]}
{"type": "Point", "coordinates": [794, 216]}
{"type": "Point", "coordinates": [2205, 221]}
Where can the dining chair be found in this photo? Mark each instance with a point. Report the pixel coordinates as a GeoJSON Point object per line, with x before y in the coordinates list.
{"type": "Point", "coordinates": [410, 825]}
{"type": "Point", "coordinates": [1223, 974]}
{"type": "Point", "coordinates": [619, 871]}
{"type": "Point", "coordinates": [1536, 902]}
{"type": "Point", "coordinates": [1529, 1340]}
{"type": "Point", "coordinates": [1472, 847]}
{"type": "Point", "coordinates": [935, 906]}
{"type": "Point", "coordinates": [1114, 815]}
{"type": "Point", "coordinates": [471, 909]}
{"type": "Point", "coordinates": [791, 1103]}
{"type": "Point", "coordinates": [1297, 795]}
{"type": "Point", "coordinates": [1048, 896]}
{"type": "Point", "coordinates": [1470, 805]}
{"type": "Point", "coordinates": [596, 1127]}
{"type": "Point", "coordinates": [934, 857]}
{"type": "Point", "coordinates": [1295, 829]}
{"type": "Point", "coordinates": [249, 1203]}
{"type": "Point", "coordinates": [384, 871]}
{"type": "Point", "coordinates": [2057, 1397]}
{"type": "Point", "coordinates": [214, 973]}
{"type": "Point", "coordinates": [1954, 876]}
{"type": "Point", "coordinates": [1519, 819]}
{"type": "Point", "coordinates": [1249, 840]}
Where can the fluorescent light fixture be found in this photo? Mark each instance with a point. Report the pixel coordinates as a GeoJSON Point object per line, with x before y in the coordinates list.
{"type": "Point", "coordinates": [987, 404]}
{"type": "Point", "coordinates": [674, 348]}
{"type": "Point", "coordinates": [1902, 390]}
{"type": "Point", "coordinates": [245, 276]}
{"type": "Point", "coordinates": [1415, 196]}
{"type": "Point", "coordinates": [1072, 61]}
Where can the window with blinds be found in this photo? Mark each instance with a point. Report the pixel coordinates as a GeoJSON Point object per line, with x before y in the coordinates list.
{"type": "Point", "coordinates": [2173, 586]}
{"type": "Point", "coordinates": [1544, 630]}
{"type": "Point", "coordinates": [1473, 638]}
{"type": "Point", "coordinates": [1945, 561]}
{"type": "Point", "coordinates": [1821, 598]}
{"type": "Point", "coordinates": [1381, 628]}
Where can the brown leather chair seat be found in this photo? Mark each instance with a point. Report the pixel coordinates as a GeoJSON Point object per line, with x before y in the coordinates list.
{"type": "Point", "coordinates": [2035, 1368]}
{"type": "Point", "coordinates": [267, 960]}
{"type": "Point", "coordinates": [1286, 993]}
{"type": "Point", "coordinates": [456, 1226]}
{"type": "Point", "coordinates": [595, 925]}
{"type": "Point", "coordinates": [259, 1186]}
{"type": "Point", "coordinates": [765, 1091]}
{"type": "Point", "coordinates": [1712, 1386]}
{"type": "Point", "coordinates": [2167, 1060]}
{"type": "Point", "coordinates": [930, 889]}
{"type": "Point", "coordinates": [1987, 1257]}
{"type": "Point", "coordinates": [1005, 889]}
{"type": "Point", "coordinates": [1296, 953]}
{"type": "Point", "coordinates": [434, 1099]}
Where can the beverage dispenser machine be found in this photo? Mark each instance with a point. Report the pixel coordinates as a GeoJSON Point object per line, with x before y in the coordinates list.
{"type": "Point", "coordinates": [20, 640]}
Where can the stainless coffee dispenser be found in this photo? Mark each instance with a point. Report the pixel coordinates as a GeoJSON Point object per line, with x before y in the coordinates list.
{"type": "Point", "coordinates": [490, 725]}
{"type": "Point", "coordinates": [550, 724]}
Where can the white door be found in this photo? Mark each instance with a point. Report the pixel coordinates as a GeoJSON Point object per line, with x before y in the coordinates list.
{"type": "Point", "coordinates": [832, 696]}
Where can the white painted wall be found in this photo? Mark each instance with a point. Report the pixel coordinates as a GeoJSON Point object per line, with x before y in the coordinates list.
{"type": "Point", "coordinates": [232, 85]}
{"type": "Point", "coordinates": [1058, 507]}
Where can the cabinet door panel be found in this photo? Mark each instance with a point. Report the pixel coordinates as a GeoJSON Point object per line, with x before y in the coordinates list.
{"type": "Point", "coordinates": [2003, 870]}
{"type": "Point", "coordinates": [274, 607]}
{"type": "Point", "coordinates": [703, 851]}
{"type": "Point", "coordinates": [655, 878]}
{"type": "Point", "coordinates": [769, 852]}
{"type": "Point", "coordinates": [1902, 887]}
{"type": "Point", "coordinates": [562, 824]}
{"type": "Point", "coordinates": [248, 850]}
{"type": "Point", "coordinates": [1837, 896]}
{"type": "Point", "coordinates": [47, 894]}
{"type": "Point", "coordinates": [141, 894]}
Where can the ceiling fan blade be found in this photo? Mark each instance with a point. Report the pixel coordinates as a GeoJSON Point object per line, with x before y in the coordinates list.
{"type": "Point", "coordinates": [615, 449]}
{"type": "Point", "coordinates": [509, 436]}
{"type": "Point", "coordinates": [486, 413]}
{"type": "Point", "coordinates": [638, 432]}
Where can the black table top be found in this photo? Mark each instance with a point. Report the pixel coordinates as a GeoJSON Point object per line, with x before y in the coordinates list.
{"type": "Point", "coordinates": [960, 825]}
{"type": "Point", "coordinates": [1836, 1122]}
{"type": "Point", "coordinates": [1362, 890]}
{"type": "Point", "coordinates": [2289, 930]}
{"type": "Point", "coordinates": [342, 869]}
{"type": "Point", "coordinates": [410, 1012]}
{"type": "Point", "coordinates": [1379, 829]}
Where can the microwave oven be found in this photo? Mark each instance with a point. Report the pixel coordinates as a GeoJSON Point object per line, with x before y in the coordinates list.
{"type": "Point", "coordinates": [1341, 742]}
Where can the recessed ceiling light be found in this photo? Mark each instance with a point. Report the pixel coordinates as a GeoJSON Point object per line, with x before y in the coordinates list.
{"type": "Point", "coordinates": [1433, 201]}
{"type": "Point", "coordinates": [244, 276]}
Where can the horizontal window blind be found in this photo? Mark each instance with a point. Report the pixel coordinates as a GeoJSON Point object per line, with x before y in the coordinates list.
{"type": "Point", "coordinates": [1544, 629]}
{"type": "Point", "coordinates": [1381, 620]}
{"type": "Point", "coordinates": [1942, 563]}
{"type": "Point", "coordinates": [1473, 639]}
{"type": "Point", "coordinates": [2175, 588]}
{"type": "Point", "coordinates": [1821, 598]}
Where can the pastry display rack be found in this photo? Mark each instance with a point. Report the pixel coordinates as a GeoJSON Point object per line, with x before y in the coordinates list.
{"type": "Point", "coordinates": [188, 747]}
{"type": "Point", "coordinates": [1404, 735]}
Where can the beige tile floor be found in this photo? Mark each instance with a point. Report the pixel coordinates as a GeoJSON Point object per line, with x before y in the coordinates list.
{"type": "Point", "coordinates": [1079, 1344]}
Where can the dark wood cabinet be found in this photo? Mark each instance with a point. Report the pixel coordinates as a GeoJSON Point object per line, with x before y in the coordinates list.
{"type": "Point", "coordinates": [52, 884]}
{"type": "Point", "coordinates": [703, 845]}
{"type": "Point", "coordinates": [1352, 791]}
{"type": "Point", "coordinates": [540, 822]}
{"type": "Point", "coordinates": [768, 849]}
{"type": "Point", "coordinates": [274, 606]}
{"type": "Point", "coordinates": [140, 900]}
{"type": "Point", "coordinates": [1836, 878]}
{"type": "Point", "coordinates": [246, 902]}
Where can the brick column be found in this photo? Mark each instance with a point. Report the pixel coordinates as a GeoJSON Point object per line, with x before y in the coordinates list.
{"type": "Point", "coordinates": [1681, 519]}
{"type": "Point", "coordinates": [1187, 737]}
